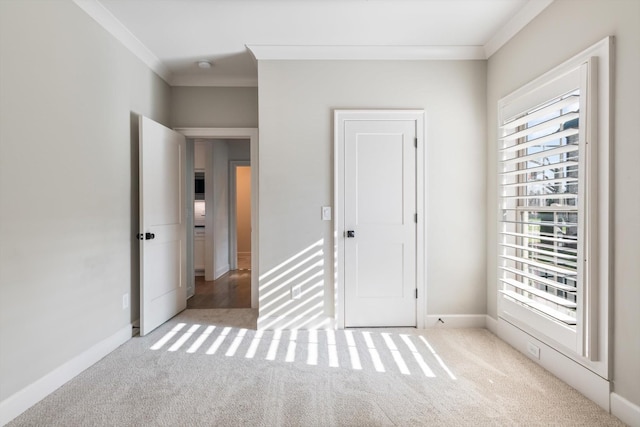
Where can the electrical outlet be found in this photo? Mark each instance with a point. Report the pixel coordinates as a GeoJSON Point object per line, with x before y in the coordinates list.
{"type": "Point", "coordinates": [125, 301]}
{"type": "Point", "coordinates": [295, 292]}
{"type": "Point", "coordinates": [534, 351]}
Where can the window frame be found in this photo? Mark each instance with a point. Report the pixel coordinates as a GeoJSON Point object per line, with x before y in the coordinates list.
{"type": "Point", "coordinates": [591, 347]}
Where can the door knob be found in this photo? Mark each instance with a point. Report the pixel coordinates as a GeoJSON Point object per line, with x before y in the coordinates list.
{"type": "Point", "coordinates": [350, 234]}
{"type": "Point", "coordinates": [149, 236]}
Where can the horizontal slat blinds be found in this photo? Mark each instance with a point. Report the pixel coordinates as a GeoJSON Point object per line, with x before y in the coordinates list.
{"type": "Point", "coordinates": [540, 279]}
{"type": "Point", "coordinates": [569, 320]}
{"type": "Point", "coordinates": [546, 236]}
{"type": "Point", "coordinates": [540, 175]}
{"type": "Point", "coordinates": [566, 255]}
{"type": "Point", "coordinates": [554, 244]}
{"type": "Point", "coordinates": [542, 294]}
{"type": "Point", "coordinates": [562, 134]}
{"type": "Point", "coordinates": [539, 156]}
{"type": "Point", "coordinates": [541, 112]}
{"type": "Point", "coordinates": [540, 127]}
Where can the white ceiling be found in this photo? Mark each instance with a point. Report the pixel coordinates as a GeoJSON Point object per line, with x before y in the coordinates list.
{"type": "Point", "coordinates": [172, 35]}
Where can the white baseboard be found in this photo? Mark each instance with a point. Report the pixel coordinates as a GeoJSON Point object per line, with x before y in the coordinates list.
{"type": "Point", "coordinates": [19, 402]}
{"type": "Point", "coordinates": [287, 323]}
{"type": "Point", "coordinates": [492, 325]}
{"type": "Point", "coordinates": [577, 376]}
{"type": "Point", "coordinates": [456, 321]}
{"type": "Point", "coordinates": [627, 412]}
{"type": "Point", "coordinates": [220, 271]}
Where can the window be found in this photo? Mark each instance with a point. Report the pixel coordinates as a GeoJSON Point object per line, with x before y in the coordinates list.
{"type": "Point", "coordinates": [551, 280]}
{"type": "Point", "coordinates": [540, 208]}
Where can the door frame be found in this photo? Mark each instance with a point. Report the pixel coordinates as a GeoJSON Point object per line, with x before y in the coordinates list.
{"type": "Point", "coordinates": [340, 119]}
{"type": "Point", "coordinates": [233, 206]}
{"type": "Point", "coordinates": [252, 135]}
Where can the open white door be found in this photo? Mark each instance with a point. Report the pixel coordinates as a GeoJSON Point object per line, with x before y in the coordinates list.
{"type": "Point", "coordinates": [162, 225]}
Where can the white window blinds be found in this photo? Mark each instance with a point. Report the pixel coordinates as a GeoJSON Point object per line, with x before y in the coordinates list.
{"type": "Point", "coordinates": [542, 170]}
{"type": "Point", "coordinates": [553, 162]}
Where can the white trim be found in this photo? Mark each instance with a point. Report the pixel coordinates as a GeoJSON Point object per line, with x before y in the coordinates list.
{"type": "Point", "coordinates": [17, 403]}
{"type": "Point", "coordinates": [423, 213]}
{"type": "Point", "coordinates": [233, 205]}
{"type": "Point", "coordinates": [271, 323]}
{"type": "Point", "coordinates": [520, 20]}
{"type": "Point", "coordinates": [252, 135]}
{"type": "Point", "coordinates": [592, 385]}
{"type": "Point", "coordinates": [602, 49]}
{"type": "Point", "coordinates": [102, 16]}
{"type": "Point", "coordinates": [189, 194]}
{"type": "Point", "coordinates": [452, 321]}
{"type": "Point", "coordinates": [120, 32]}
{"type": "Point", "coordinates": [355, 53]}
{"type": "Point", "coordinates": [599, 361]}
{"type": "Point", "coordinates": [340, 117]}
{"type": "Point", "coordinates": [219, 133]}
{"type": "Point", "coordinates": [213, 80]}
{"type": "Point", "coordinates": [210, 246]}
{"type": "Point", "coordinates": [491, 324]}
{"type": "Point", "coordinates": [220, 271]}
{"type": "Point", "coordinates": [626, 411]}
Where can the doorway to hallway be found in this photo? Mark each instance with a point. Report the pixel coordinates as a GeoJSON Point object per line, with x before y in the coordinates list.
{"type": "Point", "coordinates": [229, 134]}
{"type": "Point", "coordinates": [222, 224]}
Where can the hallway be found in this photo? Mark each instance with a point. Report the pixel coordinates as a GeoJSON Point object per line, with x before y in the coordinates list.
{"type": "Point", "coordinates": [232, 290]}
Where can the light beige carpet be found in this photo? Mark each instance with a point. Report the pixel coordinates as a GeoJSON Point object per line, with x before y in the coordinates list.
{"type": "Point", "coordinates": [210, 368]}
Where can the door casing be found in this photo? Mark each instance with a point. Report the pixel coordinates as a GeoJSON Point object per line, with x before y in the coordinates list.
{"type": "Point", "coordinates": [340, 118]}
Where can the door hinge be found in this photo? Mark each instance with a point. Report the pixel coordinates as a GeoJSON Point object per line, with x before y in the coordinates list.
{"type": "Point", "coordinates": [415, 142]}
{"type": "Point", "coordinates": [416, 293]}
{"type": "Point", "coordinates": [415, 218]}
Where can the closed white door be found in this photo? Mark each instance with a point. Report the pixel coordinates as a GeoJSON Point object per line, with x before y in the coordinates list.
{"type": "Point", "coordinates": [380, 222]}
{"type": "Point", "coordinates": [162, 225]}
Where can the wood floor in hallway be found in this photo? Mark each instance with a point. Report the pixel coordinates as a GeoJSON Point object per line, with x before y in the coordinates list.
{"type": "Point", "coordinates": [232, 290]}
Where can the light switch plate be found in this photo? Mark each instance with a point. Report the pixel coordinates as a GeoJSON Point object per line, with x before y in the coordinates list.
{"type": "Point", "coordinates": [326, 213]}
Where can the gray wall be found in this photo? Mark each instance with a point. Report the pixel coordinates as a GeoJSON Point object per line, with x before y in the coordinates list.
{"type": "Point", "coordinates": [69, 99]}
{"type": "Point", "coordinates": [296, 103]}
{"type": "Point", "coordinates": [239, 149]}
{"type": "Point", "coordinates": [214, 107]}
{"type": "Point", "coordinates": [578, 25]}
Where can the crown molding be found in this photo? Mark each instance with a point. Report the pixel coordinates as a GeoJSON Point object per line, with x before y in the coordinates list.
{"type": "Point", "coordinates": [520, 20]}
{"type": "Point", "coordinates": [105, 18]}
{"type": "Point", "coordinates": [102, 16]}
{"type": "Point", "coordinates": [212, 80]}
{"type": "Point", "coordinates": [363, 53]}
